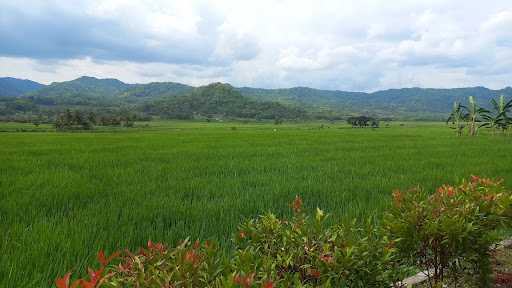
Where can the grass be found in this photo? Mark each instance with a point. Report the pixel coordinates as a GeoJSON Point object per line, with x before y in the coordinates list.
{"type": "Point", "coordinates": [25, 127]}
{"type": "Point", "coordinates": [64, 196]}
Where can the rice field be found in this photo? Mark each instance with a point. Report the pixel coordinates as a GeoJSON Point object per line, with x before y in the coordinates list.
{"type": "Point", "coordinates": [64, 196]}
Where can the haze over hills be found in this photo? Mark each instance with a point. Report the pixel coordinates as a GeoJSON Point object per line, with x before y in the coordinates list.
{"type": "Point", "coordinates": [15, 87]}
{"type": "Point", "coordinates": [89, 92]}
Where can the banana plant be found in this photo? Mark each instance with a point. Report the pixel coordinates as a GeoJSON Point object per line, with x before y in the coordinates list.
{"type": "Point", "coordinates": [457, 118]}
{"type": "Point", "coordinates": [502, 108]}
{"type": "Point", "coordinates": [474, 114]}
{"type": "Point", "coordinates": [498, 119]}
{"type": "Point", "coordinates": [491, 121]}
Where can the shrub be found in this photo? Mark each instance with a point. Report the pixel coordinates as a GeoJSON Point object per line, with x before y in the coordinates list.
{"type": "Point", "coordinates": [270, 252]}
{"type": "Point", "coordinates": [449, 232]}
{"type": "Point", "coordinates": [187, 265]}
{"type": "Point", "coordinates": [304, 252]}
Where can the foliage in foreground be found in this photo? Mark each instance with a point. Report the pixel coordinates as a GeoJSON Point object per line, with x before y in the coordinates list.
{"type": "Point", "coordinates": [270, 252]}
{"type": "Point", "coordinates": [448, 232]}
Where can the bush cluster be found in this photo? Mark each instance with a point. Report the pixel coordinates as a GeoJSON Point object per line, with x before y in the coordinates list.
{"type": "Point", "coordinates": [448, 232]}
{"type": "Point", "coordinates": [81, 120]}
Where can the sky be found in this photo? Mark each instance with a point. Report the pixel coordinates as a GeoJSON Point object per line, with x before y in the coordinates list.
{"type": "Point", "coordinates": [362, 45]}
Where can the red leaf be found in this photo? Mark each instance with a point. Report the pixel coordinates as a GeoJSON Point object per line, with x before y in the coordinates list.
{"type": "Point", "coordinates": [268, 284]}
{"type": "Point", "coordinates": [297, 204]}
{"type": "Point", "coordinates": [77, 284]}
{"type": "Point", "coordinates": [244, 281]}
{"type": "Point", "coordinates": [64, 281]}
{"type": "Point", "coordinates": [105, 261]}
{"type": "Point", "coordinates": [86, 284]}
{"type": "Point", "coordinates": [95, 275]}
{"type": "Point", "coordinates": [101, 258]}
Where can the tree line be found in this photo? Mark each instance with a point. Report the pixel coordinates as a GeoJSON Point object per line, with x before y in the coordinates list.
{"type": "Point", "coordinates": [363, 122]}
{"type": "Point", "coordinates": [83, 120]}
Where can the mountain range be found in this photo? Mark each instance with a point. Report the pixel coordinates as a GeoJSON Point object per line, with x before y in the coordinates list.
{"type": "Point", "coordinates": [89, 92]}
{"type": "Point", "coordinates": [16, 87]}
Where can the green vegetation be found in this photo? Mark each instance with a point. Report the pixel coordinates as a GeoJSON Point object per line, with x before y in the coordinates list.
{"type": "Point", "coordinates": [405, 103]}
{"type": "Point", "coordinates": [67, 195]}
{"type": "Point", "coordinates": [111, 98]}
{"type": "Point", "coordinates": [21, 100]}
{"type": "Point", "coordinates": [269, 252]}
{"type": "Point", "coordinates": [475, 117]}
{"type": "Point", "coordinates": [77, 120]}
{"type": "Point", "coordinates": [154, 90]}
{"type": "Point", "coordinates": [448, 232]}
{"type": "Point", "coordinates": [457, 118]}
{"type": "Point", "coordinates": [363, 121]}
{"type": "Point", "coordinates": [499, 118]}
{"type": "Point", "coordinates": [220, 101]}
{"type": "Point", "coordinates": [84, 91]}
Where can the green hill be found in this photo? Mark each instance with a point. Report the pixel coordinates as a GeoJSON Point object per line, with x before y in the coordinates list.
{"type": "Point", "coordinates": [219, 100]}
{"type": "Point", "coordinates": [16, 87]}
{"type": "Point", "coordinates": [186, 101]}
{"type": "Point", "coordinates": [84, 91]}
{"type": "Point", "coordinates": [411, 103]}
{"type": "Point", "coordinates": [151, 91]}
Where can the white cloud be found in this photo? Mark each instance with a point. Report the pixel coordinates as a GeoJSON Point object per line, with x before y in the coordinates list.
{"type": "Point", "coordinates": [352, 45]}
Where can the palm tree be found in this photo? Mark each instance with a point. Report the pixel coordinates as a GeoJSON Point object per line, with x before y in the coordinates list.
{"type": "Point", "coordinates": [457, 117]}
{"type": "Point", "coordinates": [473, 115]}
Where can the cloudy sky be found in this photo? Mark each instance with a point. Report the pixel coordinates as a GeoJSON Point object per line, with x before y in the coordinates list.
{"type": "Point", "coordinates": [359, 45]}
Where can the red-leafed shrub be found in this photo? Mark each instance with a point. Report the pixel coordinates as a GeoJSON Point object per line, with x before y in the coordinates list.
{"type": "Point", "coordinates": [96, 277]}
{"type": "Point", "coordinates": [304, 251]}
{"type": "Point", "coordinates": [187, 265]}
{"type": "Point", "coordinates": [447, 232]}
{"type": "Point", "coordinates": [270, 252]}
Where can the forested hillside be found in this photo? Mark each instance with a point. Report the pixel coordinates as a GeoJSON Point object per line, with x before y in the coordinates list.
{"type": "Point", "coordinates": [86, 91]}
{"type": "Point", "coordinates": [153, 91]}
{"type": "Point", "coordinates": [176, 100]}
{"type": "Point", "coordinates": [219, 100]}
{"type": "Point", "coordinates": [407, 103]}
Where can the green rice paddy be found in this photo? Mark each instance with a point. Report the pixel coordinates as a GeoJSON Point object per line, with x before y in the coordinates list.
{"type": "Point", "coordinates": [64, 196]}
